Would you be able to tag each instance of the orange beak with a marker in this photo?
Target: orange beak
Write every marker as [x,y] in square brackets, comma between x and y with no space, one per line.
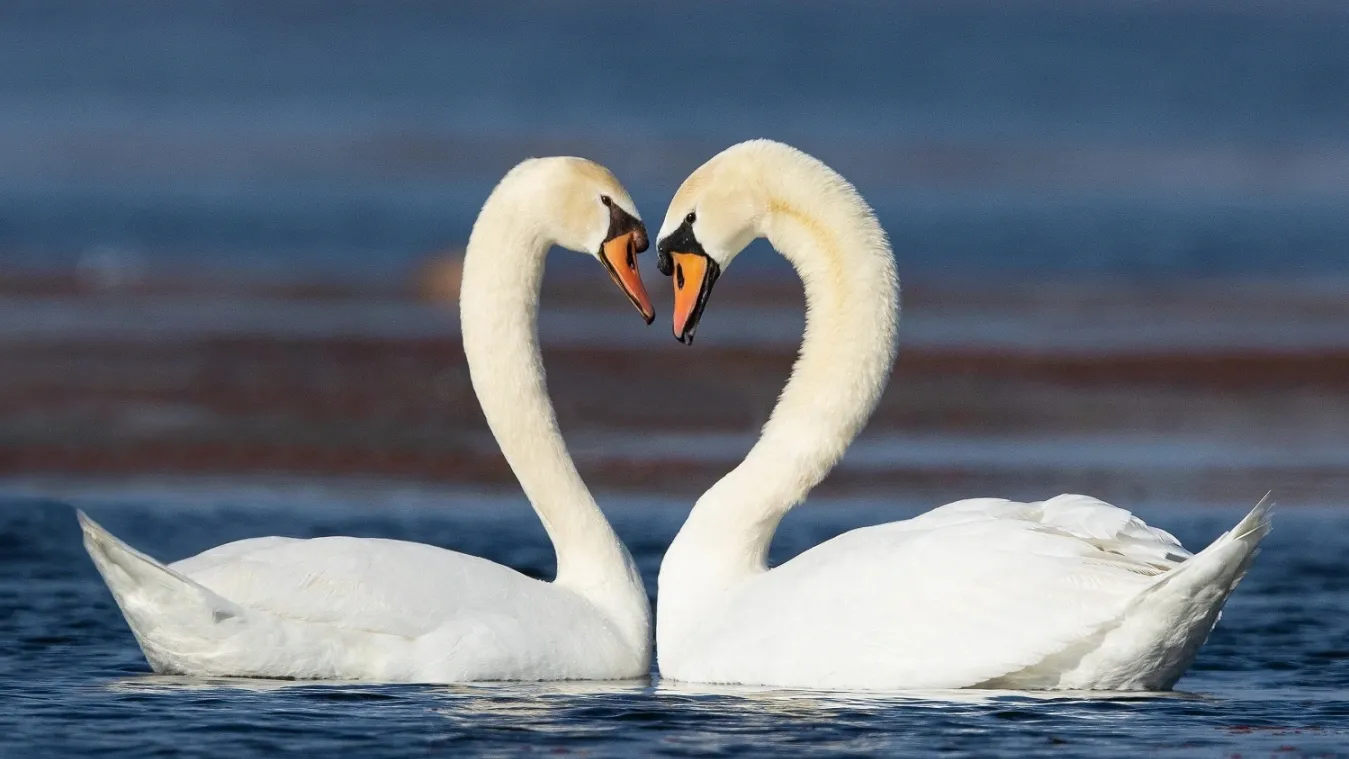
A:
[694,275]
[619,256]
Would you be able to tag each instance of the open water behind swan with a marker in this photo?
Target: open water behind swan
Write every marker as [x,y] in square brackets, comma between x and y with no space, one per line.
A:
[1273,679]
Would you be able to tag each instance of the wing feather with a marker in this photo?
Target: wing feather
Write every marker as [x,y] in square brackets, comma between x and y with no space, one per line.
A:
[385,586]
[956,597]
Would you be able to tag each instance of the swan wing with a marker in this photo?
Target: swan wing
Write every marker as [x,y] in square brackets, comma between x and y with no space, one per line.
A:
[1109,528]
[957,597]
[228,552]
[376,585]
[351,608]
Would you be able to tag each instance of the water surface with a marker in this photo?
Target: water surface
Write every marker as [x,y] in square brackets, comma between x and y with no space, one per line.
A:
[1273,679]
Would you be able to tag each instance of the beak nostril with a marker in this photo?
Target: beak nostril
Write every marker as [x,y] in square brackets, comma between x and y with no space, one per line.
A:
[679,276]
[632,258]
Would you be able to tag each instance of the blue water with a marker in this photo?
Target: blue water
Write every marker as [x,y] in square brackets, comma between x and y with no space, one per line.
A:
[1273,679]
[353,137]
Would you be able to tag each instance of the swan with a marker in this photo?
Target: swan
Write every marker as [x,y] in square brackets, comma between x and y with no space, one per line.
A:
[393,611]
[1067,593]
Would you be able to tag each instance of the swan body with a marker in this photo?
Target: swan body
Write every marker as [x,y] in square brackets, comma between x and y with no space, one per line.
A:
[1067,593]
[395,611]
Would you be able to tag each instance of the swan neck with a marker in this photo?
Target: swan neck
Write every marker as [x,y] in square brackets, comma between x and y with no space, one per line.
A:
[503,273]
[833,240]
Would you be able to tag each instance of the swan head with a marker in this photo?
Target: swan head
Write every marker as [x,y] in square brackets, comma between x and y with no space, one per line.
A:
[716,213]
[589,211]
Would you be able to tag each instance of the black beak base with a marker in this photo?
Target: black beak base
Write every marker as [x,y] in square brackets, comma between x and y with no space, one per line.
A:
[682,240]
[621,222]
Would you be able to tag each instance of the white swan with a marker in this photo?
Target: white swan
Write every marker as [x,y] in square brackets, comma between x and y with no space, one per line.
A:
[1069,593]
[387,610]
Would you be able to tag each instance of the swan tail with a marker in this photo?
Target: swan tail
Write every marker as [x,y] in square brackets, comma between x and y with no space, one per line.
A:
[174,618]
[1158,636]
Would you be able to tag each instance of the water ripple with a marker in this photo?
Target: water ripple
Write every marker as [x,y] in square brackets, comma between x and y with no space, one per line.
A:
[1274,678]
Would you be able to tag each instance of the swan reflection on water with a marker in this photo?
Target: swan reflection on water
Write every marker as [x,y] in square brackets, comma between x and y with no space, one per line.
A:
[520,697]
[152,683]
[643,716]
[738,699]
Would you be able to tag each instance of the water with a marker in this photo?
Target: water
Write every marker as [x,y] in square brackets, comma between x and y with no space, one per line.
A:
[1273,679]
[1117,137]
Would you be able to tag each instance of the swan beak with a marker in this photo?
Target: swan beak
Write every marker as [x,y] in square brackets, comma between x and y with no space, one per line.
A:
[694,275]
[619,256]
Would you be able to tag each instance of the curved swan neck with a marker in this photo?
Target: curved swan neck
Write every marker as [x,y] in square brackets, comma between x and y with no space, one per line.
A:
[819,223]
[503,272]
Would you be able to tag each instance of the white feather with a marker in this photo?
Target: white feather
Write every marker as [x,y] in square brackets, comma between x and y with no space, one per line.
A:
[985,593]
[387,610]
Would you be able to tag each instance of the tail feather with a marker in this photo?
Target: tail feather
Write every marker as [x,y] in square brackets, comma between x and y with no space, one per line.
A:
[1224,562]
[117,560]
[1161,631]
[1256,524]
[166,610]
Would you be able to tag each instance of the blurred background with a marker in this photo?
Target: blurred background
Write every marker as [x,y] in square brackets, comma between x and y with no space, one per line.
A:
[230,235]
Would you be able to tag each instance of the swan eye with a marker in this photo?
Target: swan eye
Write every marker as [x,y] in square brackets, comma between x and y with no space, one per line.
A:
[679,273]
[606,200]
[692,217]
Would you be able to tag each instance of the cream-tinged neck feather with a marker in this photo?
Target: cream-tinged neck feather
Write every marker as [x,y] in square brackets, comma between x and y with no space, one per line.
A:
[819,223]
[503,272]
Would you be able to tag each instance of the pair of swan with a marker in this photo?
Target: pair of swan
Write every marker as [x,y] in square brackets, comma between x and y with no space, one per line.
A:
[1068,593]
